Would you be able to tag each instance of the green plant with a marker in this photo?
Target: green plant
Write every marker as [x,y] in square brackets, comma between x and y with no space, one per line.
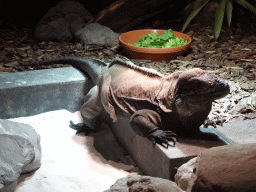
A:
[224,5]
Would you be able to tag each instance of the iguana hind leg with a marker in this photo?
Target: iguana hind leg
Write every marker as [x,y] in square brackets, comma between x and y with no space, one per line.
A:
[148,123]
[91,111]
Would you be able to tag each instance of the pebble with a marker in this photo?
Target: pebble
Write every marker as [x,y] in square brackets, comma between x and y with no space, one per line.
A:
[12,64]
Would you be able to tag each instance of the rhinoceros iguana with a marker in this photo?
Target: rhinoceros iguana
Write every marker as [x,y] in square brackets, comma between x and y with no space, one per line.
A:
[159,105]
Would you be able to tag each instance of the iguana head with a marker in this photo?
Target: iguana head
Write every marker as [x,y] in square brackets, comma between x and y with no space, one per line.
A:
[189,95]
[198,86]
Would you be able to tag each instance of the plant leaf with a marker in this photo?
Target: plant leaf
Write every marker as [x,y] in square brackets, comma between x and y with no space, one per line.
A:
[241,2]
[229,11]
[247,5]
[219,17]
[199,5]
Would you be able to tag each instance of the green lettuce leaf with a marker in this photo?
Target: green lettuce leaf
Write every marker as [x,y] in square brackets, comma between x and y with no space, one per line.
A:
[167,40]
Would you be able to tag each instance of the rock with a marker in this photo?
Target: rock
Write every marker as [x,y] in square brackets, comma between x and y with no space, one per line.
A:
[248,86]
[94,33]
[62,21]
[230,168]
[185,173]
[134,183]
[15,153]
[107,52]
[20,152]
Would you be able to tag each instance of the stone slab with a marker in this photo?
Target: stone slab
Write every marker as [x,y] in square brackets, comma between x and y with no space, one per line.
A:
[241,132]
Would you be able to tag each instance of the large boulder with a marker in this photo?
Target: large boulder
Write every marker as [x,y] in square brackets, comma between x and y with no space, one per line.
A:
[20,152]
[133,183]
[61,22]
[230,168]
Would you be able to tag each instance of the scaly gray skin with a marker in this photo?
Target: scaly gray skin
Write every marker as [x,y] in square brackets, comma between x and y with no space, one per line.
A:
[159,105]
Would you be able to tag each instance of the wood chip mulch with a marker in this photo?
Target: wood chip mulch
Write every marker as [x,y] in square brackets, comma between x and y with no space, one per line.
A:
[232,56]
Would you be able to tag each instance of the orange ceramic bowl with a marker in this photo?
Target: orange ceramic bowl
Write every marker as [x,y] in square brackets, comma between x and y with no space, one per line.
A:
[154,54]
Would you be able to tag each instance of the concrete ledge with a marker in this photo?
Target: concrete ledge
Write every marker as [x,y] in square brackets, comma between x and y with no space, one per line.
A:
[241,132]
[33,92]
[159,161]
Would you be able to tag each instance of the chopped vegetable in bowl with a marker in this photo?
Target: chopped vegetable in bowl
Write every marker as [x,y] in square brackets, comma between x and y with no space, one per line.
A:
[167,40]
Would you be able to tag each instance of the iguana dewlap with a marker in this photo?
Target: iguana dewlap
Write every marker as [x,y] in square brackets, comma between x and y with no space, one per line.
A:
[159,105]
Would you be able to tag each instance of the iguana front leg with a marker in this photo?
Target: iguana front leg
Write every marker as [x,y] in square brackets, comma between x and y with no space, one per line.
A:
[148,123]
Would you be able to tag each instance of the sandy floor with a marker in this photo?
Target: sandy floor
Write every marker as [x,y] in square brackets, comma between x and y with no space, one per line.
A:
[70,162]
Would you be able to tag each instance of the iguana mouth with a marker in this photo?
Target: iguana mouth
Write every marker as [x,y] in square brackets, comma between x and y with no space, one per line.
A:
[217,94]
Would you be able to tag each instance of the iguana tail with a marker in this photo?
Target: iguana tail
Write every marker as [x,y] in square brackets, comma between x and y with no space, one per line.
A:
[92,67]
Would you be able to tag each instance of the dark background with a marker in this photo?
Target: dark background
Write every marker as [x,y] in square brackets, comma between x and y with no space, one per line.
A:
[28,13]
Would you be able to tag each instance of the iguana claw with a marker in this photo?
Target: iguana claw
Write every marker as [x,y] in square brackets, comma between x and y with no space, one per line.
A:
[162,137]
[213,123]
[80,128]
[77,127]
